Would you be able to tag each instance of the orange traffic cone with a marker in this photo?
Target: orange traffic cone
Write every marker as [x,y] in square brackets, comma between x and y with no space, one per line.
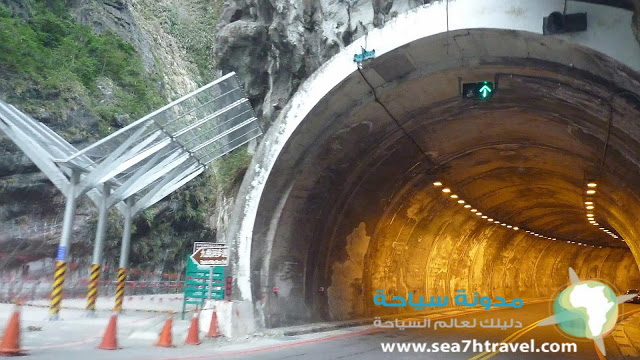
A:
[192,336]
[110,340]
[213,328]
[165,335]
[10,344]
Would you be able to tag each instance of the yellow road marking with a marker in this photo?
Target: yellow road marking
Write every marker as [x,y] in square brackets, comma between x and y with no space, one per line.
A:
[521,332]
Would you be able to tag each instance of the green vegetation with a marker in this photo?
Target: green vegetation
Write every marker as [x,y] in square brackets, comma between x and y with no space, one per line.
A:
[191,24]
[55,62]
[232,167]
[86,85]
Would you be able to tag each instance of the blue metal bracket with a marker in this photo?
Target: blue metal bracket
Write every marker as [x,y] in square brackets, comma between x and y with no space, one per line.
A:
[365,55]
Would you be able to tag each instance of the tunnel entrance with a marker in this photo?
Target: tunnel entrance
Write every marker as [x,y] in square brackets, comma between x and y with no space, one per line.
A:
[394,181]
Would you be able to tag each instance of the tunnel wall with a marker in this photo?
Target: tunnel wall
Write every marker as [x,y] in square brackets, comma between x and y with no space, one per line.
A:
[431,246]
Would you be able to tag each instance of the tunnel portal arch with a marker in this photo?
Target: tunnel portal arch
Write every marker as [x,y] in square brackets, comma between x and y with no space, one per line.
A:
[333,122]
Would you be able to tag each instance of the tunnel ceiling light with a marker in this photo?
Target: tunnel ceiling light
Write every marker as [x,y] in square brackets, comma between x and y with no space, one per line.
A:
[591,192]
[592,184]
[601,228]
[478,213]
[588,202]
[590,215]
[589,207]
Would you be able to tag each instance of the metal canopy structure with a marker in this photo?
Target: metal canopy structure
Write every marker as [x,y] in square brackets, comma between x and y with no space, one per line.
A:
[164,150]
[136,166]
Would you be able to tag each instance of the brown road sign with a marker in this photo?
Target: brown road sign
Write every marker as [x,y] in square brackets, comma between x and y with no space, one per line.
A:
[212,256]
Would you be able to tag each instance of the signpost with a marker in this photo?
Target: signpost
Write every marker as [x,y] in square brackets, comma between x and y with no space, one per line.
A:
[204,275]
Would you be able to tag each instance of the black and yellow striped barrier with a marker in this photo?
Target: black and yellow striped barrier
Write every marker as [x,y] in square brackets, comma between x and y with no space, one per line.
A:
[122,276]
[56,292]
[92,293]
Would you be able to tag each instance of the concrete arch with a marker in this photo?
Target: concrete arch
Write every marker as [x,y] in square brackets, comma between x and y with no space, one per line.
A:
[483,39]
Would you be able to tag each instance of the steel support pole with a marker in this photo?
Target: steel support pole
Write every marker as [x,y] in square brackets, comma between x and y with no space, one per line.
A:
[124,255]
[210,282]
[98,248]
[63,248]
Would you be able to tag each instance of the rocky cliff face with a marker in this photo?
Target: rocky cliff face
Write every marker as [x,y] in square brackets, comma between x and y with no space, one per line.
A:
[275,44]
[31,209]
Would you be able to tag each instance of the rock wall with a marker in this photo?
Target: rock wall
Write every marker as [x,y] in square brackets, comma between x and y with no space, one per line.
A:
[275,44]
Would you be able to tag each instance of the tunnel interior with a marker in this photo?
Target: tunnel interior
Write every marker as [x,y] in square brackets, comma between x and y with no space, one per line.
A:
[395,182]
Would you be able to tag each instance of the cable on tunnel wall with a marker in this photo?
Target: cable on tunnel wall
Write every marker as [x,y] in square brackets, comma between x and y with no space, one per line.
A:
[610,124]
[428,160]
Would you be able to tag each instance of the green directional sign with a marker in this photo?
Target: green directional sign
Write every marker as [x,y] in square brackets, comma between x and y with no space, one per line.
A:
[479,90]
[196,283]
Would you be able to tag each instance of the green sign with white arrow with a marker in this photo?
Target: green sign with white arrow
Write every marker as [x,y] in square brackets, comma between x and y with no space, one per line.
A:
[480,90]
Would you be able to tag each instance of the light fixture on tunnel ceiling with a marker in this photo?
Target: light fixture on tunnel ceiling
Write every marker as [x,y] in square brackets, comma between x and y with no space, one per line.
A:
[590,205]
[448,190]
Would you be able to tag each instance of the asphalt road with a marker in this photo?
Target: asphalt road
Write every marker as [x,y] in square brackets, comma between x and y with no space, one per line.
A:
[367,344]
[362,342]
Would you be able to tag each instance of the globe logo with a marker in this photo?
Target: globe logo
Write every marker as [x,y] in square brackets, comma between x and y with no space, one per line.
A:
[586,309]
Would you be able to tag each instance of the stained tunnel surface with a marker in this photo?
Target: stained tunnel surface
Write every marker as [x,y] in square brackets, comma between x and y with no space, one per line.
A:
[355,209]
